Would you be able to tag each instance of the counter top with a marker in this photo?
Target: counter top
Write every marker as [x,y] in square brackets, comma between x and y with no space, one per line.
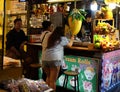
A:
[73,47]
[82,48]
[37,44]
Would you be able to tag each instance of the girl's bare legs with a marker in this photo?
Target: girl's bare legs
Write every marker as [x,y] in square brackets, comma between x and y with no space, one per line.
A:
[47,71]
[52,74]
[54,71]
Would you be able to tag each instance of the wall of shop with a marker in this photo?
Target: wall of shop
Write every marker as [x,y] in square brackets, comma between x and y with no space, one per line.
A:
[1,28]
[1,21]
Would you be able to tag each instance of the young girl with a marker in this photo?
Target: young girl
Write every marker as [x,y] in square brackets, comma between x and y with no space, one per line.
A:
[53,53]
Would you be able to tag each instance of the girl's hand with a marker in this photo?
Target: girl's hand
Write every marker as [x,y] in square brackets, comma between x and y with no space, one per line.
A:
[72,37]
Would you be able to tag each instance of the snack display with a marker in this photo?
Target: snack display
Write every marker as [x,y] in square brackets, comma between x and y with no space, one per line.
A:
[105,36]
[104,13]
[25,85]
[10,62]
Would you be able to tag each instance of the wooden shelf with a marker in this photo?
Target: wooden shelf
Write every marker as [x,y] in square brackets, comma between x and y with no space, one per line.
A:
[110,21]
[22,26]
[16,14]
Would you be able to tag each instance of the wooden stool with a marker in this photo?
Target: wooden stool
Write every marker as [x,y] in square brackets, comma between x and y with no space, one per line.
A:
[34,67]
[75,75]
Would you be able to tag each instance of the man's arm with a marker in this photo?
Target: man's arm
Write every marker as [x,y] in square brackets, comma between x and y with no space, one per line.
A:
[15,50]
[22,45]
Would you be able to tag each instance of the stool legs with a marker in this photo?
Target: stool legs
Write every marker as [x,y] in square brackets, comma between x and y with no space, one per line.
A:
[78,83]
[65,81]
[75,82]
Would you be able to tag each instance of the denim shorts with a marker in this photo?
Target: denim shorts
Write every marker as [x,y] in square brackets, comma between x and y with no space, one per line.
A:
[51,63]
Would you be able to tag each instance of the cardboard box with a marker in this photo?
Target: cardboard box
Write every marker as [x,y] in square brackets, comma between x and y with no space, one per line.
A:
[11,73]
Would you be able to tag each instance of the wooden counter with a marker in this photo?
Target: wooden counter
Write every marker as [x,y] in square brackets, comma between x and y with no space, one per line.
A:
[85,58]
[73,47]
[38,45]
[34,49]
[82,51]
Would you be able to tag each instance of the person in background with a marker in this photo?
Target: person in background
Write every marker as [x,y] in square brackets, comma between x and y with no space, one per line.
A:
[86,28]
[87,24]
[47,30]
[53,53]
[15,41]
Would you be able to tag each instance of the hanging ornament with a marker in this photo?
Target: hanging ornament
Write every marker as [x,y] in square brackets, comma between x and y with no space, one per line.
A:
[75,19]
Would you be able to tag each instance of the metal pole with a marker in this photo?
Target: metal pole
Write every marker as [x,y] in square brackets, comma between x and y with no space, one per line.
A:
[74,4]
[116,18]
[4,13]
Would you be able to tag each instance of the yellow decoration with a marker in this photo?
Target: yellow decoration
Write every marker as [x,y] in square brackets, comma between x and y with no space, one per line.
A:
[111,1]
[75,19]
[107,12]
[1,31]
[108,15]
[75,25]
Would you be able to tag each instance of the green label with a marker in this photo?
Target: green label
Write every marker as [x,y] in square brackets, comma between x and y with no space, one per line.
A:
[88,73]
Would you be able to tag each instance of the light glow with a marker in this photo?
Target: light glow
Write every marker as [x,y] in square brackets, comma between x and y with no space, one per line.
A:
[112,6]
[94,6]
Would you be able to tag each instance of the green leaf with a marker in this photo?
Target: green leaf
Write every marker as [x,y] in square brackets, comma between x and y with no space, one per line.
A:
[78,14]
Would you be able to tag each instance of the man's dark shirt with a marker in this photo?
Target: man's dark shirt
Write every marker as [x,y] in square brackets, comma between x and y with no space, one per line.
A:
[15,38]
[87,28]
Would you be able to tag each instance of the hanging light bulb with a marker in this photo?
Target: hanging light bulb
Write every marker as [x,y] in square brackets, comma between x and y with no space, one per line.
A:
[112,5]
[94,5]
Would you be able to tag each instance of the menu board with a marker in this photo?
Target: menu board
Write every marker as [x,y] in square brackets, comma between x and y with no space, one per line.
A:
[88,73]
[110,70]
[17,7]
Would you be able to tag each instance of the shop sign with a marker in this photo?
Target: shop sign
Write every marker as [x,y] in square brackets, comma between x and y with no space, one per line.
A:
[110,70]
[88,73]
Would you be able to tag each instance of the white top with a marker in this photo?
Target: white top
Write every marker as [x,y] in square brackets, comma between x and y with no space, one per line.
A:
[54,53]
[44,37]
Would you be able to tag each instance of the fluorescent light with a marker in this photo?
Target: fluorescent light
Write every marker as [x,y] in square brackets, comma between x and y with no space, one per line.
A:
[93,6]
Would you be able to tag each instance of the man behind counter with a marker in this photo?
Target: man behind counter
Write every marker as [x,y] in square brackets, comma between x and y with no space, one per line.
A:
[15,45]
[86,28]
